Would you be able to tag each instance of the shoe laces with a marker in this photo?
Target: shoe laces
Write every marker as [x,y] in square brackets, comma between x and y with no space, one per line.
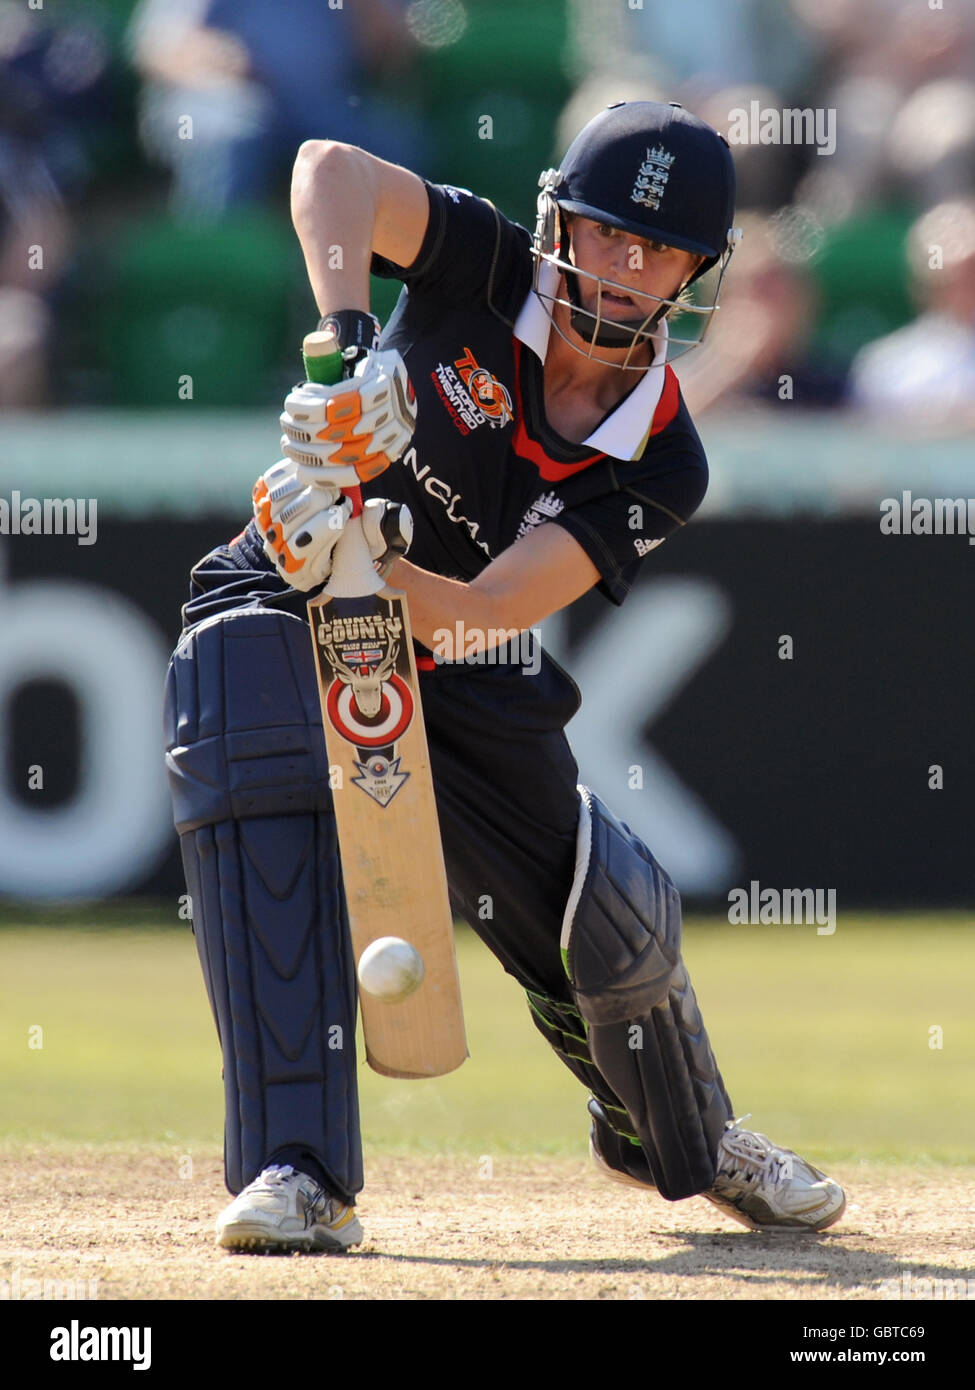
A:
[277,1175]
[755,1158]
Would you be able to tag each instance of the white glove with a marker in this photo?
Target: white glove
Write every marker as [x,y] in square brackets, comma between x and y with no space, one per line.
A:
[301,525]
[356,428]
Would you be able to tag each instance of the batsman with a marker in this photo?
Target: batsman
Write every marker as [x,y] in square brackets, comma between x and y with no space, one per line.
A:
[518,426]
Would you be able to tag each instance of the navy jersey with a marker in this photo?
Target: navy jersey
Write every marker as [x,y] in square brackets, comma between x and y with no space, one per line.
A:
[484,466]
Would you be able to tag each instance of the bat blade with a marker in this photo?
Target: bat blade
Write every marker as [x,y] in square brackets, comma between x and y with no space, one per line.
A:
[389,835]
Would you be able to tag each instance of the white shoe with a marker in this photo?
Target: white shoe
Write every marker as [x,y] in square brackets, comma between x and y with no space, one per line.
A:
[283,1210]
[768,1188]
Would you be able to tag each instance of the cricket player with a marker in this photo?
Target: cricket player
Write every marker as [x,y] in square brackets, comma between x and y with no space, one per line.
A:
[520,407]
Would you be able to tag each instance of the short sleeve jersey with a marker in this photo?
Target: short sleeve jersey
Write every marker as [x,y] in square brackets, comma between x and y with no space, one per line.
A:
[484,467]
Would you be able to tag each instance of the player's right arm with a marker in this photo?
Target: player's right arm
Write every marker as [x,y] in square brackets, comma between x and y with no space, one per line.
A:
[345,205]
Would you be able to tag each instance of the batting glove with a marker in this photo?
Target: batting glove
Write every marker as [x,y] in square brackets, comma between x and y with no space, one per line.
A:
[388,529]
[301,524]
[351,431]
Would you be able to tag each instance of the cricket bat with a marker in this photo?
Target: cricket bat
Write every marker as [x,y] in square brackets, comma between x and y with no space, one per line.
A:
[389,836]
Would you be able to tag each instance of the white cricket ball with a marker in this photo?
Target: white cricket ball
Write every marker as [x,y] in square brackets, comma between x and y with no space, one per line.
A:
[390,968]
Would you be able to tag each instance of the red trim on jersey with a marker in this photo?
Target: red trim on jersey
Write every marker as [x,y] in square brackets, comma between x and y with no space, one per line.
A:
[425,663]
[669,402]
[553,471]
[527,448]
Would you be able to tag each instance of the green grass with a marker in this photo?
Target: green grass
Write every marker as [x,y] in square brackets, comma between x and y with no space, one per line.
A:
[825,1040]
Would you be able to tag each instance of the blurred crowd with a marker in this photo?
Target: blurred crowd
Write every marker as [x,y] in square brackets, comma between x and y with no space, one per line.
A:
[145,150]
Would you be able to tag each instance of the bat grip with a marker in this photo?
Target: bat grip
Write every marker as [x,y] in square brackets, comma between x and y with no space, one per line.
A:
[322,357]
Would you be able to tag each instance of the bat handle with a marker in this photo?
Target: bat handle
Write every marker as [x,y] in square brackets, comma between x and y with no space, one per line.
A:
[322,357]
[353,574]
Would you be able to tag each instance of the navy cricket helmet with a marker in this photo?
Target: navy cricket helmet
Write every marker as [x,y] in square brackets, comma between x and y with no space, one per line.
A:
[656,171]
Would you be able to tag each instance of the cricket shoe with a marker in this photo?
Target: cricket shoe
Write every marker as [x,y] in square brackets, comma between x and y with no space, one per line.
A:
[768,1188]
[282,1211]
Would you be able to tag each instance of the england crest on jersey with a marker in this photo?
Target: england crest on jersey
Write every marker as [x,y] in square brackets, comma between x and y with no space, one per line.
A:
[544,508]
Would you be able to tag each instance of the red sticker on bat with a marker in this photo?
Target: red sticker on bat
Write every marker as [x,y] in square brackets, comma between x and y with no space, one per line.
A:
[390,722]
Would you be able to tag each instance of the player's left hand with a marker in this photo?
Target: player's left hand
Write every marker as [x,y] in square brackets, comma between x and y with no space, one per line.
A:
[356,428]
[301,525]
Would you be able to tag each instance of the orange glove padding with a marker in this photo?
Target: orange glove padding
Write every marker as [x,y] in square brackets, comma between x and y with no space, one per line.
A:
[354,429]
[301,525]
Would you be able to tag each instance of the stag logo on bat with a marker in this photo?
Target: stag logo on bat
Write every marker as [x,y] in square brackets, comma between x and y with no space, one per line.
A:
[368,702]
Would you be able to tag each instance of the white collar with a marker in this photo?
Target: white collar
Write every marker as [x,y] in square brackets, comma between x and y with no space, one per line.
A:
[623,434]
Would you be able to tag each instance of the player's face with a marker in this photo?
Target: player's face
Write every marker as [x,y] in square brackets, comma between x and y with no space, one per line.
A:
[645,268]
